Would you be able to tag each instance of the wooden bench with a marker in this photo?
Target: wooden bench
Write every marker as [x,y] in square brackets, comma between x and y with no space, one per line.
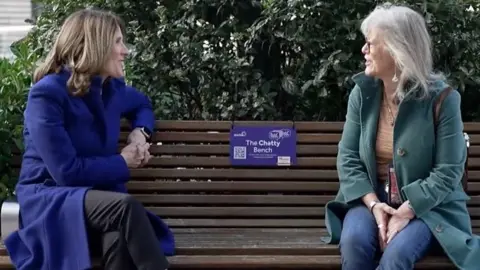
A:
[255,218]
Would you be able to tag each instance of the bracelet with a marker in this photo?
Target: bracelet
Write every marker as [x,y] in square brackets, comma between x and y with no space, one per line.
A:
[409,205]
[372,204]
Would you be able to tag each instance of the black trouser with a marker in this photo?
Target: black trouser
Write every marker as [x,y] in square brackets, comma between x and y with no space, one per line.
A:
[119,230]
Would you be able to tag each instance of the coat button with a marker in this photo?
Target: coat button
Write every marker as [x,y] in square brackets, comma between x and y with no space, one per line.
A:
[439,228]
[401,152]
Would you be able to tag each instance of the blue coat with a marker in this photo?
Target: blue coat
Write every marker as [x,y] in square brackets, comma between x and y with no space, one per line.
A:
[71,145]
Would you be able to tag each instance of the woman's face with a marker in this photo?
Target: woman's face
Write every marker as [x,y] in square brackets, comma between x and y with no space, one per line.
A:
[115,64]
[378,61]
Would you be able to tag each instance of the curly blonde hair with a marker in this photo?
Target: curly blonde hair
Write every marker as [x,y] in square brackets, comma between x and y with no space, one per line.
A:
[83,45]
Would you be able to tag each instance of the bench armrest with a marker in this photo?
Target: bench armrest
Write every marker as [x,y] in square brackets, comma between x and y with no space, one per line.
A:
[9,218]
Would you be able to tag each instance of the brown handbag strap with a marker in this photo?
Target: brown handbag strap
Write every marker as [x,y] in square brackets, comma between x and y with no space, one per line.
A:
[438,104]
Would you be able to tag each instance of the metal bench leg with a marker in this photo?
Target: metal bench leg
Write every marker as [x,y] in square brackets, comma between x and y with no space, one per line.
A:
[9,218]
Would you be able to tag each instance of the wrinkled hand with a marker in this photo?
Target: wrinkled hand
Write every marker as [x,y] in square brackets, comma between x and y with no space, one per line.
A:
[405,211]
[136,155]
[144,151]
[136,137]
[399,220]
[382,212]
[395,225]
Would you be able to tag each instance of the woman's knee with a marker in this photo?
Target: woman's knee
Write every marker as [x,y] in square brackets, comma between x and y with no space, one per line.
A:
[130,201]
[409,246]
[358,242]
[359,229]
[396,257]
[106,199]
[131,208]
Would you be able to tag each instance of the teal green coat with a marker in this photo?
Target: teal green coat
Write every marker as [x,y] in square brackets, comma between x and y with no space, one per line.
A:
[429,170]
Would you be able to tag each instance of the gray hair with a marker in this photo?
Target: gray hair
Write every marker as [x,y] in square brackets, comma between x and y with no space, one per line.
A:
[406,37]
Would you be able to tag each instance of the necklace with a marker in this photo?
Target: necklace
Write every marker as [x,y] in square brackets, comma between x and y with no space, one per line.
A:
[392,118]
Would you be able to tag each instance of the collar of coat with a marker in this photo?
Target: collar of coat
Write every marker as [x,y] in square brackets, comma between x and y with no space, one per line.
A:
[371,87]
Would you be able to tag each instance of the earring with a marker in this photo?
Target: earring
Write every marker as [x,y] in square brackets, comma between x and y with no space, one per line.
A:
[395,78]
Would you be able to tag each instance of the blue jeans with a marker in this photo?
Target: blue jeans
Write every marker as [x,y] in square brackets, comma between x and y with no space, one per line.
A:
[359,242]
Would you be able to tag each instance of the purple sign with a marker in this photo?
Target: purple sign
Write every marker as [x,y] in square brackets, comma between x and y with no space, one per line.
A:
[263,146]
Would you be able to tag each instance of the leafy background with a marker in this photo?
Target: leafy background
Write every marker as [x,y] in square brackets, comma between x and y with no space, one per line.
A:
[242,59]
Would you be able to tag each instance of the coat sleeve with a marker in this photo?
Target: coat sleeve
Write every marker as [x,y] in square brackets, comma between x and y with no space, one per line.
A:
[353,177]
[44,121]
[450,157]
[137,108]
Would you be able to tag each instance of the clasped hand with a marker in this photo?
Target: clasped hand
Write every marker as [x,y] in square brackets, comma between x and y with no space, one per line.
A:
[136,153]
[390,221]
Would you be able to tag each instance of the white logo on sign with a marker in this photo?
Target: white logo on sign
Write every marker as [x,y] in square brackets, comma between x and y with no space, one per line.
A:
[241,134]
[279,134]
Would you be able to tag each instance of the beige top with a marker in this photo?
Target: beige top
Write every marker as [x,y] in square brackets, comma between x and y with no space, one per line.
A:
[384,144]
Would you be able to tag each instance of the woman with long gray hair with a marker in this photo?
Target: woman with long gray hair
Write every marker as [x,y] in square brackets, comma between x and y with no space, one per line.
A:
[400,173]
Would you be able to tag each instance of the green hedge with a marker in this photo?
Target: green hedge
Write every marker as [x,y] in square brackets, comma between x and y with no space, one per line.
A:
[284,59]
[277,60]
[14,84]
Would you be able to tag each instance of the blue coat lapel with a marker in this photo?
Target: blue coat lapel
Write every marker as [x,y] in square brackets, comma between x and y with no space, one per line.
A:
[96,105]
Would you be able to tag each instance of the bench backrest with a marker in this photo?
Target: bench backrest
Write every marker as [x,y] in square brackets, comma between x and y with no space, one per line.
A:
[191,184]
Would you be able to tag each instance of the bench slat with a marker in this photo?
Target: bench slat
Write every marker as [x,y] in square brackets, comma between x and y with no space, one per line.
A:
[230,186]
[219,162]
[222,212]
[280,173]
[226,125]
[214,241]
[305,126]
[252,242]
[256,223]
[222,162]
[204,137]
[302,138]
[224,150]
[237,174]
[244,199]
[281,262]
[260,211]
[245,223]
[189,199]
